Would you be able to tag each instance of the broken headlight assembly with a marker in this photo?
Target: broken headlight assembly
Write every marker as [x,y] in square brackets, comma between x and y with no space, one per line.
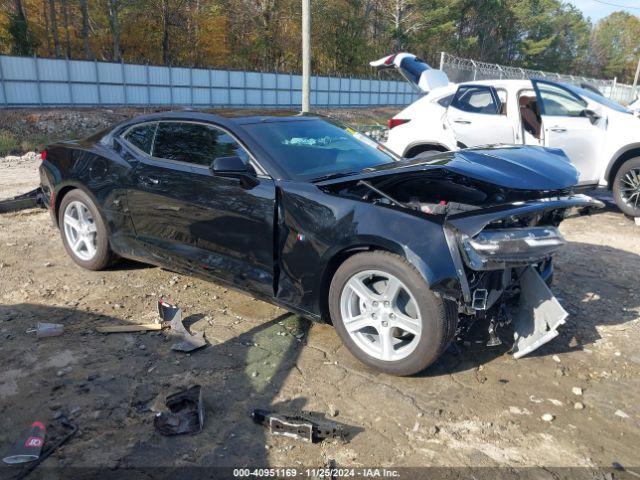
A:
[497,249]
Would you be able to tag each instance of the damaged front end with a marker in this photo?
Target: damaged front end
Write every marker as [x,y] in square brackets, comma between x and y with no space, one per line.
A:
[500,222]
[506,267]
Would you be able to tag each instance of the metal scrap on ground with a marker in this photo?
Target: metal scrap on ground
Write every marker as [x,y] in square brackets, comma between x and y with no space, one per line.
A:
[186,342]
[307,426]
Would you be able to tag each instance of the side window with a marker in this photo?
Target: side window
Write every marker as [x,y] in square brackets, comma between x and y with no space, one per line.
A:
[557,101]
[142,136]
[194,143]
[446,101]
[475,99]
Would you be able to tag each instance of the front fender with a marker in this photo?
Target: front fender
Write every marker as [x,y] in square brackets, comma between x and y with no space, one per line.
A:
[316,227]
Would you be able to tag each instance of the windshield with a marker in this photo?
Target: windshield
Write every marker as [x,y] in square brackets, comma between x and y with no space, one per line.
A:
[311,149]
[583,92]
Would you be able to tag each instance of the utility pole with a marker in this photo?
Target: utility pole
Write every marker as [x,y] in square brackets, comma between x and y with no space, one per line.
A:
[635,82]
[306,55]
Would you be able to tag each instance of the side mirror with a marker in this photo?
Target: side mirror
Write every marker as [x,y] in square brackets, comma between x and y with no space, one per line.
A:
[591,115]
[229,167]
[235,167]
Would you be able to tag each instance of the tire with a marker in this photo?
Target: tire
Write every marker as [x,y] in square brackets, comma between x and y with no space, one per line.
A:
[628,177]
[426,153]
[98,257]
[435,318]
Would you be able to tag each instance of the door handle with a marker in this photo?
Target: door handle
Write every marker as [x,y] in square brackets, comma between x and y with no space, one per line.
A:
[460,120]
[148,180]
[558,129]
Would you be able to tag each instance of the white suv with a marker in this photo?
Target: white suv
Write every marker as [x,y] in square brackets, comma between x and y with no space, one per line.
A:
[599,136]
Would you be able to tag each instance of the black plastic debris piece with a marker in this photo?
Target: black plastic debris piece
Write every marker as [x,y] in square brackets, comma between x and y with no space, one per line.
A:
[306,426]
[185,415]
[30,199]
[185,342]
[28,448]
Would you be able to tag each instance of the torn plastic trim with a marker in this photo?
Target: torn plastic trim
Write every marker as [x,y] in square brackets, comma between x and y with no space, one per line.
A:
[452,244]
[539,314]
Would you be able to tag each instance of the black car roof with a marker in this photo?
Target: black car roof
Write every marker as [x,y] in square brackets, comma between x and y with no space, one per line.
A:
[224,118]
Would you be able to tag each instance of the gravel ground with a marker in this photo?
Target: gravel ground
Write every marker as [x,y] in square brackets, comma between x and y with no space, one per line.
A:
[476,407]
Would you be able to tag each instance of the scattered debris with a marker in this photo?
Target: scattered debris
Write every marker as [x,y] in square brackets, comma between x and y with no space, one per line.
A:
[185,415]
[28,448]
[557,403]
[43,330]
[30,199]
[578,406]
[129,328]
[576,391]
[185,341]
[307,426]
[556,358]
[547,417]
[621,414]
[71,430]
[620,468]
[535,399]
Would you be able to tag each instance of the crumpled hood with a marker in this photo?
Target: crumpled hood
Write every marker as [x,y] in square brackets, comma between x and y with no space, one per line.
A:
[510,167]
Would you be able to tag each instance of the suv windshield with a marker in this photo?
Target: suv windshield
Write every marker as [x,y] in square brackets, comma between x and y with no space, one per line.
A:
[311,149]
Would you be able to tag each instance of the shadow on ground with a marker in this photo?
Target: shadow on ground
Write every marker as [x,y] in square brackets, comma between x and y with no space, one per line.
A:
[245,372]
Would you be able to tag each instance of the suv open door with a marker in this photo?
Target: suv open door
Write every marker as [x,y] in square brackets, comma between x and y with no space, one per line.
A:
[477,116]
[568,124]
[416,71]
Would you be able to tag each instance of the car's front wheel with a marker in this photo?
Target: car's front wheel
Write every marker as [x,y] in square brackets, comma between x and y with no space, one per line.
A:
[83,231]
[387,316]
[626,187]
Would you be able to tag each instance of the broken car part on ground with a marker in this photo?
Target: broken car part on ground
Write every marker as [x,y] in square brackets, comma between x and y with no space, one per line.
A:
[307,426]
[185,415]
[317,218]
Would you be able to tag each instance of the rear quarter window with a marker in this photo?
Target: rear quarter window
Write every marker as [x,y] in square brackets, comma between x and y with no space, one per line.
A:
[142,136]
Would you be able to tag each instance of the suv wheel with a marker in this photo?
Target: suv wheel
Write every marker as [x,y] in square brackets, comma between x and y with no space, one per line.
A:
[83,232]
[386,315]
[626,187]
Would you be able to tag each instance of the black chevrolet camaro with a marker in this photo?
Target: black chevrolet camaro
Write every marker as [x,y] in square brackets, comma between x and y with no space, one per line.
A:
[301,211]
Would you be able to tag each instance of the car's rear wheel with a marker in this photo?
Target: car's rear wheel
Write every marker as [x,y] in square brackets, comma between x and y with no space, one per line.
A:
[626,187]
[386,315]
[83,232]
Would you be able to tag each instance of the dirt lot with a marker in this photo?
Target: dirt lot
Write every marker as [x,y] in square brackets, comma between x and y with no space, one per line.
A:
[476,408]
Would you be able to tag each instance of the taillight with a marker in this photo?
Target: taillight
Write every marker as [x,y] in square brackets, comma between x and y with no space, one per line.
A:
[389,59]
[394,122]
[43,155]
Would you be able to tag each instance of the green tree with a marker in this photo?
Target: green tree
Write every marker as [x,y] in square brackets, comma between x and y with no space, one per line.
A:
[616,45]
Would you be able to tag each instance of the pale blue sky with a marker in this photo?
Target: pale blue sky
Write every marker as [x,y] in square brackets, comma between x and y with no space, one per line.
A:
[598,10]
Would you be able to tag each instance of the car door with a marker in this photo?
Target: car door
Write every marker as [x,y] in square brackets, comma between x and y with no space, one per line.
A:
[217,226]
[476,117]
[565,126]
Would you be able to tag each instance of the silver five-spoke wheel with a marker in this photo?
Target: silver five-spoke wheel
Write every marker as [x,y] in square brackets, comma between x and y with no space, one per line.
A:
[80,230]
[381,315]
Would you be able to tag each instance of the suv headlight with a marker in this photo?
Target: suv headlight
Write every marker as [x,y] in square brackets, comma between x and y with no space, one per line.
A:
[496,249]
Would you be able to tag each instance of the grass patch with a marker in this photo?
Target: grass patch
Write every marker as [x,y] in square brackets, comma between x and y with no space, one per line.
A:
[9,144]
